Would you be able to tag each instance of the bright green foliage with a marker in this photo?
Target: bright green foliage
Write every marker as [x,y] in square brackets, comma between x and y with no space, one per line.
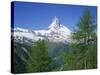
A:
[83,50]
[39,60]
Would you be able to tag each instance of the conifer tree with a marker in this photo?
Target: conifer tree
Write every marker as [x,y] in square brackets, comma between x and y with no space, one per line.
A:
[39,60]
[84,45]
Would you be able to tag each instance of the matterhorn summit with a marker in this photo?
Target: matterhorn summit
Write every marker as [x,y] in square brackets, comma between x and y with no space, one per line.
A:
[56,32]
[57,26]
[55,23]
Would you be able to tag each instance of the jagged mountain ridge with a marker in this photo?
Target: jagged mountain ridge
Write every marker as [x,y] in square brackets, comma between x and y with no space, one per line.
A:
[56,32]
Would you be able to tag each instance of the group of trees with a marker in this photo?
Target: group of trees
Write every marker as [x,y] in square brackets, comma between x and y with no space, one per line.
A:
[83,49]
[81,54]
[40,60]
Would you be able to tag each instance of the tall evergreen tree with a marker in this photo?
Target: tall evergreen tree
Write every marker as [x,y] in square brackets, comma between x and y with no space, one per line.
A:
[84,46]
[39,60]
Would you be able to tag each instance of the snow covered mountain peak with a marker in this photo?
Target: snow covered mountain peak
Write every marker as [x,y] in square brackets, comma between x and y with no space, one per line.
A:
[57,26]
[56,32]
[55,23]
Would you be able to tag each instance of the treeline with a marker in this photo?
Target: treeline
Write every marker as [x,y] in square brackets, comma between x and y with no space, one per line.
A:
[81,54]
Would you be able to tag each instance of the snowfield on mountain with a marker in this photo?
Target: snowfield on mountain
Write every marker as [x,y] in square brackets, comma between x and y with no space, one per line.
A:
[56,32]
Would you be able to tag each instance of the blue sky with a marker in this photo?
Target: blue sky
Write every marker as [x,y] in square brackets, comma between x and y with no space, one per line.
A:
[39,15]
